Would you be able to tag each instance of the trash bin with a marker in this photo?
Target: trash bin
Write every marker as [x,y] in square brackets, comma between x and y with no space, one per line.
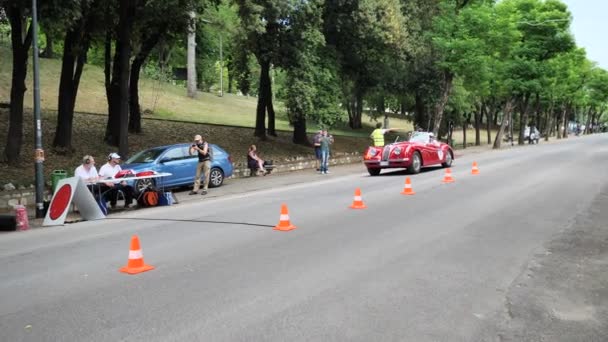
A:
[56,176]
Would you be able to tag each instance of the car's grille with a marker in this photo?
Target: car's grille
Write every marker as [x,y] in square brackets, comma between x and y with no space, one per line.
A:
[386,152]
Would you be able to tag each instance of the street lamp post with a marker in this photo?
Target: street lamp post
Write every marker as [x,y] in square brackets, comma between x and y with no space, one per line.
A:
[39,152]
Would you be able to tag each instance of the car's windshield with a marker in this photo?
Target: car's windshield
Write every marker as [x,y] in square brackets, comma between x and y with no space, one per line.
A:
[421,137]
[146,156]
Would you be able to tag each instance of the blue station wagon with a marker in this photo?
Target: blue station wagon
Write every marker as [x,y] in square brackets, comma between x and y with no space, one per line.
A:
[175,159]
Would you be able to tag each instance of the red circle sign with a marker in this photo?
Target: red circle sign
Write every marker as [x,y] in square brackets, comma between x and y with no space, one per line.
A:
[60,201]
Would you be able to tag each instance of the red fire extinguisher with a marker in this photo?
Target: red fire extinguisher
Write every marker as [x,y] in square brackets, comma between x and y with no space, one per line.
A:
[21,218]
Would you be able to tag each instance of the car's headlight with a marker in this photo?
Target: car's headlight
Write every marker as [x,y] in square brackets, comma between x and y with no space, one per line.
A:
[372,152]
[397,151]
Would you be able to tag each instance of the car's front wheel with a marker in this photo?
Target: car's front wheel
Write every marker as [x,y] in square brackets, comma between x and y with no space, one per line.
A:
[216,177]
[374,172]
[448,159]
[416,164]
[143,184]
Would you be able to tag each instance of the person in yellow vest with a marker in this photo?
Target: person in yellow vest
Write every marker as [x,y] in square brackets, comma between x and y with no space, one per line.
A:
[378,134]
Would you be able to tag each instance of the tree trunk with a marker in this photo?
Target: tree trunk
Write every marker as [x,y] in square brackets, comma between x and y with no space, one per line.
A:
[113,126]
[523,121]
[230,81]
[149,42]
[420,117]
[65,110]
[125,26]
[489,118]
[191,63]
[20,44]
[263,98]
[537,111]
[587,130]
[448,77]
[107,68]
[464,136]
[478,115]
[549,124]
[506,113]
[359,111]
[567,111]
[560,123]
[299,130]
[76,46]
[134,107]
[118,103]
[465,126]
[350,109]
[270,107]
[549,121]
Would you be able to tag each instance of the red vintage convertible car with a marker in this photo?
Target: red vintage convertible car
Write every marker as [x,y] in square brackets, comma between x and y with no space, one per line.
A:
[422,149]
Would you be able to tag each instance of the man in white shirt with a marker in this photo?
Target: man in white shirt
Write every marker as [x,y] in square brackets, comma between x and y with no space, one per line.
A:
[87,171]
[108,171]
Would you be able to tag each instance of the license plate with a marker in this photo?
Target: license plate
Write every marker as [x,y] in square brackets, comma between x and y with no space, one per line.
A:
[384,163]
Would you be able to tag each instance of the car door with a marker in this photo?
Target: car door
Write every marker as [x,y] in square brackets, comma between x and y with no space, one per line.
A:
[429,155]
[174,161]
[436,154]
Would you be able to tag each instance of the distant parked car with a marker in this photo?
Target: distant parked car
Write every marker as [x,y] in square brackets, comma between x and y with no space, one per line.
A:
[175,159]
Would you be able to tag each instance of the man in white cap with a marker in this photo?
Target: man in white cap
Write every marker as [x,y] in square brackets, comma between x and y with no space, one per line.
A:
[109,171]
[201,148]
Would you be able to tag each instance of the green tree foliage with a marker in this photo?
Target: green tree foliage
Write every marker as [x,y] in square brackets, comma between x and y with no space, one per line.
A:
[511,63]
[367,35]
[263,24]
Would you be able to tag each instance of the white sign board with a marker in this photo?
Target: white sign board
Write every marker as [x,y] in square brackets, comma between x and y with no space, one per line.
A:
[68,190]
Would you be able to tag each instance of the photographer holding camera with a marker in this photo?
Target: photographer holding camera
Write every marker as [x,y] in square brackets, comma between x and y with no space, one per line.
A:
[201,148]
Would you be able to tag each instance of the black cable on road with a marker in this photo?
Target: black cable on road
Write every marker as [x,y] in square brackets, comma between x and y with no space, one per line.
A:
[193,221]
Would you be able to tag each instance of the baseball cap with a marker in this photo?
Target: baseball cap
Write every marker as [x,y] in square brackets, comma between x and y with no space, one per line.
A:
[114,156]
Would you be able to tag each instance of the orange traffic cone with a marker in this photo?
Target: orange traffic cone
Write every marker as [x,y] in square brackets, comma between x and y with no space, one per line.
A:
[284,224]
[407,188]
[358,201]
[475,170]
[448,176]
[136,259]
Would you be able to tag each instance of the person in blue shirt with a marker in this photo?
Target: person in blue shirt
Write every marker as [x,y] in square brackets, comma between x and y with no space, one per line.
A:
[325,141]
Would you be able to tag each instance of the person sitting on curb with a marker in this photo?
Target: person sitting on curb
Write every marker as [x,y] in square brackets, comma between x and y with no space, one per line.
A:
[254,161]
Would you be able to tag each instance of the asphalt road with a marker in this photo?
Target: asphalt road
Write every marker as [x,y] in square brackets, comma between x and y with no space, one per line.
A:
[517,253]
